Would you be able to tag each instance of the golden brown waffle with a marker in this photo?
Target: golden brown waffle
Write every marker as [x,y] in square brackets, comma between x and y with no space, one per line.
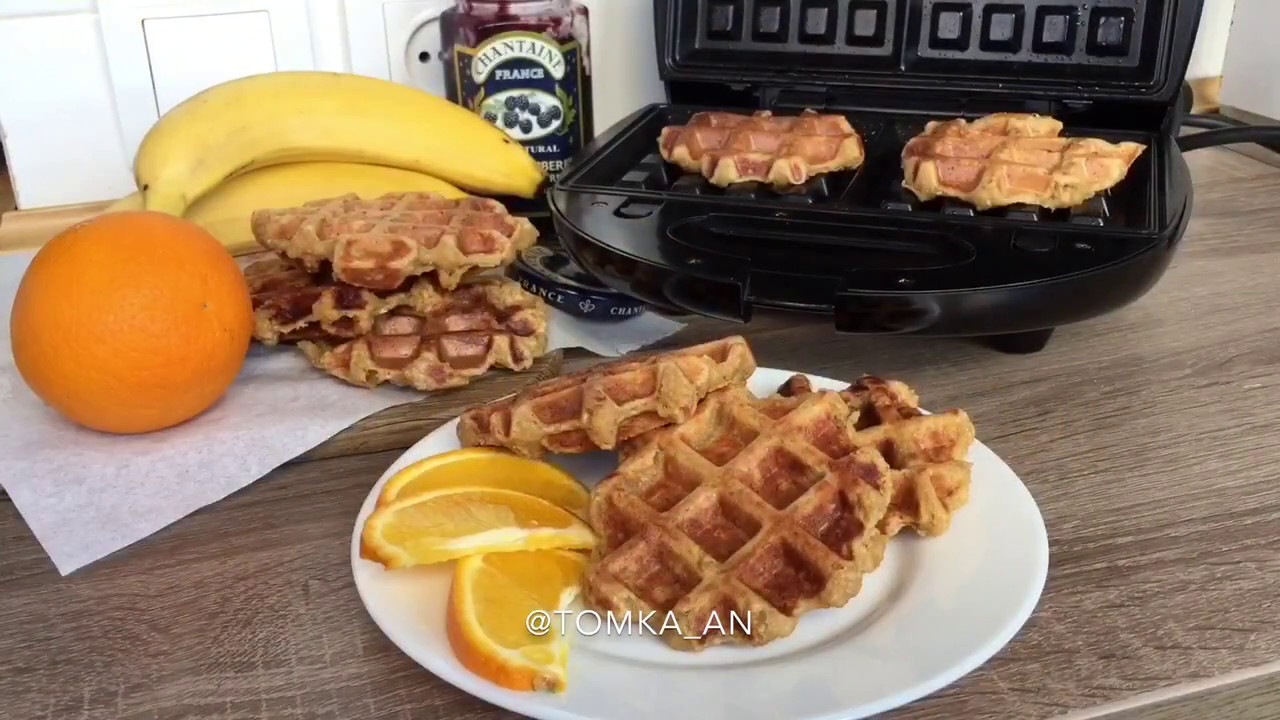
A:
[928,452]
[442,340]
[761,510]
[1009,158]
[765,508]
[600,407]
[381,243]
[728,148]
[291,304]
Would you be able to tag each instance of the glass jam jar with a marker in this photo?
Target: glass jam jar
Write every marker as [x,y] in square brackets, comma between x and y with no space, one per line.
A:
[524,65]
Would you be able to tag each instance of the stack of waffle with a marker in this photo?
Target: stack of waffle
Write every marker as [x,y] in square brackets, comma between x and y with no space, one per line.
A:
[725,504]
[396,289]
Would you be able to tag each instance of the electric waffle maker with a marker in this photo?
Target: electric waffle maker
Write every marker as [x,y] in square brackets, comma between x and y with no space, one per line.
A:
[855,245]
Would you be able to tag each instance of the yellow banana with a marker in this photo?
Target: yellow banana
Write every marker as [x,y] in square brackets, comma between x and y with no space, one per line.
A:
[283,117]
[132,201]
[225,210]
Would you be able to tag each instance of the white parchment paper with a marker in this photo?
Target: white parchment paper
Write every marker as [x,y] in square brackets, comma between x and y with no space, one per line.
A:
[86,495]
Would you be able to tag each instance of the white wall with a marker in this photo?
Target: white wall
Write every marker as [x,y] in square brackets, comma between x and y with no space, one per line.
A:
[1211,39]
[1251,73]
[9,8]
[328,35]
[58,121]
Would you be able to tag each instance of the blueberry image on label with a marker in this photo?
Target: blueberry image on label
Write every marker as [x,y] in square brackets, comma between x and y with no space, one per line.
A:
[525,114]
[530,85]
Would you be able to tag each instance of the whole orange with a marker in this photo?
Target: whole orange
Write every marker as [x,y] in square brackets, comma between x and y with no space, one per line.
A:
[131,322]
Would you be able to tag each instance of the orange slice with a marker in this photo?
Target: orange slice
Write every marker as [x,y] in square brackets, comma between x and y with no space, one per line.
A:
[487,468]
[441,525]
[489,605]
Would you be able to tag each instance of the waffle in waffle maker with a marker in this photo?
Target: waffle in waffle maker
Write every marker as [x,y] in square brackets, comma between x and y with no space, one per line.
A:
[855,243]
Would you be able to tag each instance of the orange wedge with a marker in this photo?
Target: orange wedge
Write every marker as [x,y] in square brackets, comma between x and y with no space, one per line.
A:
[487,619]
[450,523]
[488,468]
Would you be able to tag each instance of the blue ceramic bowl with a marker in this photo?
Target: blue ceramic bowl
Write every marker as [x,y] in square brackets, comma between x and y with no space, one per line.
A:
[551,275]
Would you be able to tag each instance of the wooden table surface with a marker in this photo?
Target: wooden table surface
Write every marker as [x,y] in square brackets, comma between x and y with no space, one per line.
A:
[1146,436]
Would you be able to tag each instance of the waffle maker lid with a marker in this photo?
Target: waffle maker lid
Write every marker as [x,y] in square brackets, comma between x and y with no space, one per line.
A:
[880,263]
[1081,50]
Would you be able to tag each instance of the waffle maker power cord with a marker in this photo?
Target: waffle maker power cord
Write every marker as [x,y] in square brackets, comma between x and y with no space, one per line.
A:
[1222,130]
[1267,136]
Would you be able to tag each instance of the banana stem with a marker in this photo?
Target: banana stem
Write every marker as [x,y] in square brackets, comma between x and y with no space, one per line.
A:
[168,203]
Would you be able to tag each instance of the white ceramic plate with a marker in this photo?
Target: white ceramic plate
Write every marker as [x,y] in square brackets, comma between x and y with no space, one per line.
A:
[931,613]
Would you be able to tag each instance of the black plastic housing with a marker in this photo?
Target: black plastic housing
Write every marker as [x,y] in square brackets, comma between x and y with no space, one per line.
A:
[854,244]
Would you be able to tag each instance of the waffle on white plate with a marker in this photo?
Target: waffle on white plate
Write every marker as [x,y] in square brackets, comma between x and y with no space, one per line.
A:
[769,508]
[1011,158]
[728,148]
[382,242]
[927,451]
[603,406]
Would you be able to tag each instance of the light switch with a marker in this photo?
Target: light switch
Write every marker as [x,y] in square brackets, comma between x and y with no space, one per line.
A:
[190,54]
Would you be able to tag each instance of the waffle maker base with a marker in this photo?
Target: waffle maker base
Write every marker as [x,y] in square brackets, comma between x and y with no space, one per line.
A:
[855,245]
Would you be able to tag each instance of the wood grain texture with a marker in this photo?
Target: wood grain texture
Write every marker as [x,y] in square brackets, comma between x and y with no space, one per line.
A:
[1206,94]
[26,230]
[1245,695]
[1146,436]
[7,201]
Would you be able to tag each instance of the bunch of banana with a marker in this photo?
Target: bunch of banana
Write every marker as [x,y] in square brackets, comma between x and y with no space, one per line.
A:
[225,210]
[284,138]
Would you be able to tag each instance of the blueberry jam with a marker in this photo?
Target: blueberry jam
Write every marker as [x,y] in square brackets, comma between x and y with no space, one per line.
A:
[523,65]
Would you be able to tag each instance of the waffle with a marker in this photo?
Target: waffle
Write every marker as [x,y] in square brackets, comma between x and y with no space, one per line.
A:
[381,243]
[765,508]
[441,340]
[728,148]
[291,304]
[927,451]
[600,407]
[1008,159]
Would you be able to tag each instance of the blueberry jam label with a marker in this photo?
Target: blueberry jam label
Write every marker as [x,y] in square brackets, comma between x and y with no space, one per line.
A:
[531,87]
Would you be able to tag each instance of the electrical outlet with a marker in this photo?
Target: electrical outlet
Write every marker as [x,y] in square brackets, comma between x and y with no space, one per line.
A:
[413,43]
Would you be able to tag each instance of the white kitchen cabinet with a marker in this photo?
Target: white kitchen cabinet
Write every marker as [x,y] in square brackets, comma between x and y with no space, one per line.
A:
[79,90]
[241,41]
[57,113]
[160,52]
